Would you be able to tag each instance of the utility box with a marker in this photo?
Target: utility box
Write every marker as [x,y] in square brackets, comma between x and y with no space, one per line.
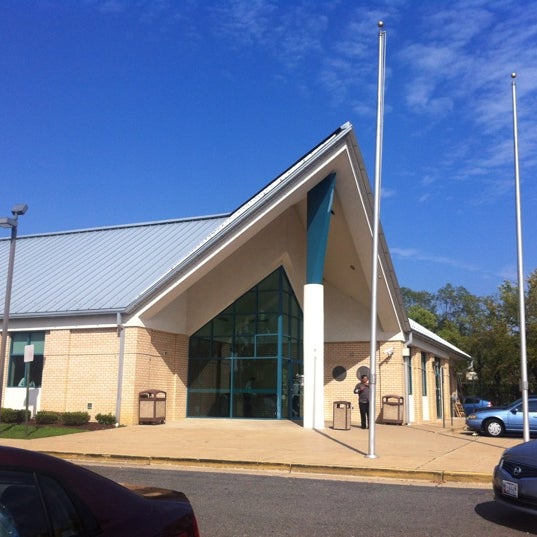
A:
[342,415]
[393,409]
[152,407]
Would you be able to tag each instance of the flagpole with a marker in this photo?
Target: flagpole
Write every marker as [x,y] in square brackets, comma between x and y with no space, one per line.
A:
[524,387]
[374,261]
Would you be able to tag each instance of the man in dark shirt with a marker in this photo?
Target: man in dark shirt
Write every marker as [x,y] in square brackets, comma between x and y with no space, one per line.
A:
[362,389]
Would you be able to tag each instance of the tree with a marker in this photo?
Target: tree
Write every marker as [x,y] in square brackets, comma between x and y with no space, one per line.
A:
[487,328]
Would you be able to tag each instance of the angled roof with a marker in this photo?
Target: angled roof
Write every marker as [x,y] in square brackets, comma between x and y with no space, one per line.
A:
[97,270]
[420,332]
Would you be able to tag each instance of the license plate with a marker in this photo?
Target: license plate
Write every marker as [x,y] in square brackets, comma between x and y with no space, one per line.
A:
[510,489]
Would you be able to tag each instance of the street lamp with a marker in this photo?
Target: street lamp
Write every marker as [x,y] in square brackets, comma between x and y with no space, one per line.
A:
[9,222]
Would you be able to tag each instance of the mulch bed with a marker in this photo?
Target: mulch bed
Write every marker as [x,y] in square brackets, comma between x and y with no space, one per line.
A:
[90,426]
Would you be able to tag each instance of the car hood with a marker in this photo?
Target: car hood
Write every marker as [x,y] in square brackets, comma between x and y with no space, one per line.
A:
[527,452]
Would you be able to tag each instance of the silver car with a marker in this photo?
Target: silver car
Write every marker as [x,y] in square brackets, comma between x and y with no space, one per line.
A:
[515,478]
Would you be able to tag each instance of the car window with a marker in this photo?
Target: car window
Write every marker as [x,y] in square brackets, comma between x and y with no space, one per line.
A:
[21,509]
[63,515]
[532,406]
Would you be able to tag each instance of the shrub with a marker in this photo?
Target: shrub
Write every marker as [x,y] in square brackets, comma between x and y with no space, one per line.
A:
[13,415]
[106,419]
[75,418]
[47,417]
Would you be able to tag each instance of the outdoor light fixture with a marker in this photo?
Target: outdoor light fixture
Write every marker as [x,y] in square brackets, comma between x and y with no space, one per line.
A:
[9,222]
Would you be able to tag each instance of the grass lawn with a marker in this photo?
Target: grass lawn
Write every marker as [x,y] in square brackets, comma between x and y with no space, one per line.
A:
[30,431]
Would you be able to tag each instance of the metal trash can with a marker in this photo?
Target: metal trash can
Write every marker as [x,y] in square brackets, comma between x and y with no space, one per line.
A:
[393,409]
[342,415]
[152,407]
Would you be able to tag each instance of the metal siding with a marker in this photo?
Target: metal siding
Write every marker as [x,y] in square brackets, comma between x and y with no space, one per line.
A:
[97,270]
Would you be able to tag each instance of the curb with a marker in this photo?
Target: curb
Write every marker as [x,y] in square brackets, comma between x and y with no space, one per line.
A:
[433,476]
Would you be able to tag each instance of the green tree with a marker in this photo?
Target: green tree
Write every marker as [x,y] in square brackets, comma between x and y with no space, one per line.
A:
[424,317]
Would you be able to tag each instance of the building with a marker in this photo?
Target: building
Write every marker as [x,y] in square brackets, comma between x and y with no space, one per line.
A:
[260,313]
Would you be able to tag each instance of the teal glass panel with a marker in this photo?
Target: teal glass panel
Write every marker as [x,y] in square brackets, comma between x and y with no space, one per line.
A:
[247,303]
[266,345]
[254,388]
[286,303]
[222,348]
[20,339]
[208,404]
[267,323]
[200,347]
[205,331]
[270,283]
[223,325]
[17,368]
[233,360]
[209,374]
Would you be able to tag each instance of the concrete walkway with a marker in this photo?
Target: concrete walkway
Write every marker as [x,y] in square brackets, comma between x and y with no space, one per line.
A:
[435,452]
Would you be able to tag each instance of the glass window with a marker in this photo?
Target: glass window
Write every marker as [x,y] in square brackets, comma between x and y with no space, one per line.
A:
[17,366]
[21,511]
[63,515]
[209,374]
[268,302]
[270,283]
[254,388]
[243,346]
[199,347]
[247,303]
[423,373]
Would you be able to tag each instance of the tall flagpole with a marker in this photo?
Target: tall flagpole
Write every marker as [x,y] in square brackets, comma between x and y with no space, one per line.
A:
[524,387]
[374,261]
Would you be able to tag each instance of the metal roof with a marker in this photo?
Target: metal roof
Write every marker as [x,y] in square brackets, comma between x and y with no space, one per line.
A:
[425,333]
[113,269]
[97,270]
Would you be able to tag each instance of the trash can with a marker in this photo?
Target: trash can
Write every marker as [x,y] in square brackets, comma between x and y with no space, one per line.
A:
[342,415]
[152,407]
[393,409]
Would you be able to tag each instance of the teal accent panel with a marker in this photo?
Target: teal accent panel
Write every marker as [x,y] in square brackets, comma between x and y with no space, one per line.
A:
[320,200]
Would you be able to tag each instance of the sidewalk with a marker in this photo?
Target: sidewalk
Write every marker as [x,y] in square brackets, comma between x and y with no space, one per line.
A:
[428,452]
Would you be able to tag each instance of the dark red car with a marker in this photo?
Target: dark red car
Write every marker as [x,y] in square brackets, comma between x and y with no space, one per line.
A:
[43,496]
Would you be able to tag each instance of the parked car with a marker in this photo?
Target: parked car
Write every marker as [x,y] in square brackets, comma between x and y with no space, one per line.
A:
[515,477]
[471,403]
[43,495]
[496,421]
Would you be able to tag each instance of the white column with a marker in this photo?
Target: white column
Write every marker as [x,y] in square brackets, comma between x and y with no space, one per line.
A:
[313,356]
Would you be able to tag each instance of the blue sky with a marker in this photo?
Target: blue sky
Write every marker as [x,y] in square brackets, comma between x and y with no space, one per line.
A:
[123,111]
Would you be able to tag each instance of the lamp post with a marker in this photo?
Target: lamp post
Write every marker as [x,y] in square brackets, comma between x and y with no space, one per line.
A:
[9,222]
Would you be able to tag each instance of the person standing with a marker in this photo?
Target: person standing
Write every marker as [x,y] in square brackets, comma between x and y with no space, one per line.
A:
[362,389]
[248,394]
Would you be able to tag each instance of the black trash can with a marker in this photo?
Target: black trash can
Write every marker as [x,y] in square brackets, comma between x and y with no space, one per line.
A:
[152,407]
[393,409]
[342,415]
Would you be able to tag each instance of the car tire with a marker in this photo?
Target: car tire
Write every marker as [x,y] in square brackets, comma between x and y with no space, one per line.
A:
[494,427]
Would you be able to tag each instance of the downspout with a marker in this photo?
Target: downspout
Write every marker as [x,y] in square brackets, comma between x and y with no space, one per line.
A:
[121,336]
[407,350]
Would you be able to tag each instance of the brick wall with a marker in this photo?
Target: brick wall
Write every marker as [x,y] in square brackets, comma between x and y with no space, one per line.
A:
[81,368]
[352,357]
